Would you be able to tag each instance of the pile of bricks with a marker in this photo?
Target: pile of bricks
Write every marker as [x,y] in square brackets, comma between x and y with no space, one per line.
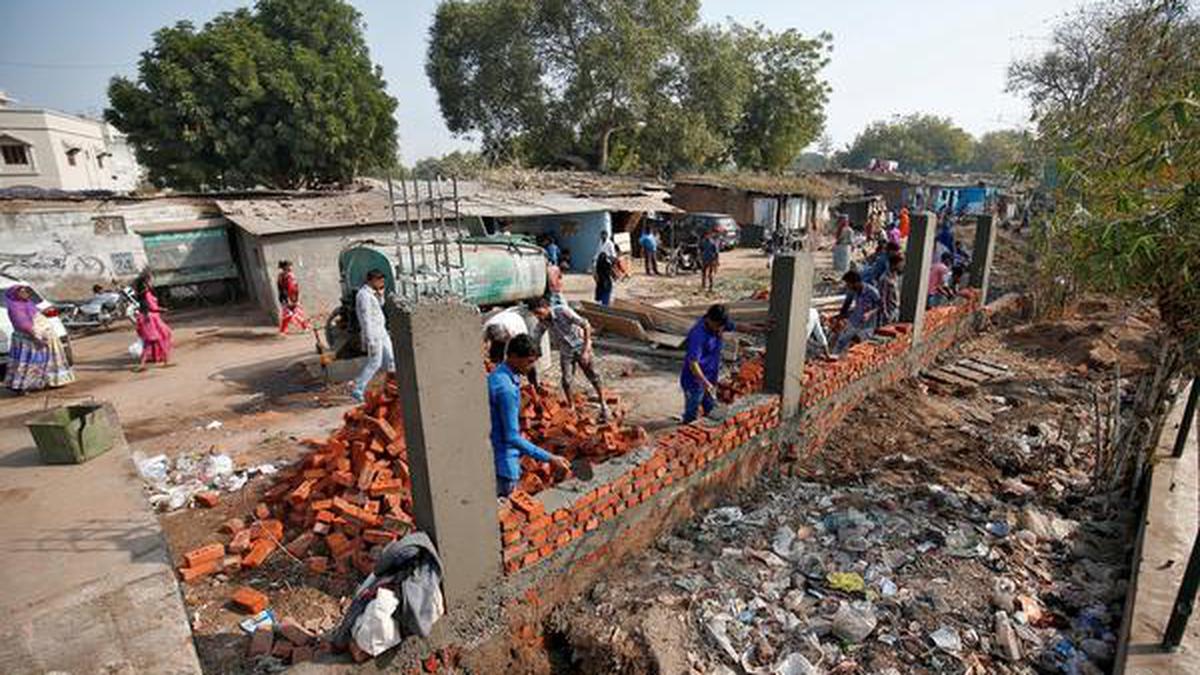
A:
[549,422]
[334,509]
[748,379]
[351,495]
[529,534]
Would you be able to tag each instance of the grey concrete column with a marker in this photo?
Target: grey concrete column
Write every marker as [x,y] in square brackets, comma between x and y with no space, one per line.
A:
[918,256]
[981,255]
[791,295]
[439,370]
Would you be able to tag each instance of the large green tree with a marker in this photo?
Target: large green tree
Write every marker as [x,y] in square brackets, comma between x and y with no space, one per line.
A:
[1116,101]
[1000,152]
[284,95]
[918,142]
[624,84]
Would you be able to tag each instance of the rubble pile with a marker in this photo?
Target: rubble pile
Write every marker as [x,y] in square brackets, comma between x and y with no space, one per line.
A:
[550,421]
[935,579]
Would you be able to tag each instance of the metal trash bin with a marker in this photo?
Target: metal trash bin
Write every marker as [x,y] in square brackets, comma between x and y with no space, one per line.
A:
[72,434]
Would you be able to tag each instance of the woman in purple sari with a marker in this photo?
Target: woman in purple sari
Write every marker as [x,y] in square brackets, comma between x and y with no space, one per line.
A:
[36,359]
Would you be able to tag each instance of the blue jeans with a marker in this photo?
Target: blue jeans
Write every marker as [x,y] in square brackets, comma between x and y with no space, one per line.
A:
[379,354]
[693,399]
[505,486]
[604,295]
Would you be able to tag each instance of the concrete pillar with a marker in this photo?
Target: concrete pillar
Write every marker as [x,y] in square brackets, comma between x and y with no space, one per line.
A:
[918,256]
[791,295]
[439,370]
[981,255]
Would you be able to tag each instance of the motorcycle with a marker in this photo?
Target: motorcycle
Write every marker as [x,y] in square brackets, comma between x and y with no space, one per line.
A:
[99,311]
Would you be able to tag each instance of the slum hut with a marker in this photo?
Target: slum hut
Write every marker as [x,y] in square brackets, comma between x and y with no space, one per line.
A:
[192,258]
[859,207]
[311,230]
[759,203]
[573,207]
[897,189]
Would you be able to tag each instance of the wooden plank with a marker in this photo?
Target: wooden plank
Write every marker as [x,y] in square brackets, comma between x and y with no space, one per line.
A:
[611,323]
[966,373]
[993,369]
[944,377]
[669,340]
[669,303]
[655,318]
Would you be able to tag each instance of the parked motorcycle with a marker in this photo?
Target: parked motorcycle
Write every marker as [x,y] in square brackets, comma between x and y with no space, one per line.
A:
[99,311]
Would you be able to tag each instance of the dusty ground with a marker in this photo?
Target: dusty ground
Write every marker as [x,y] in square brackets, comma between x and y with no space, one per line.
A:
[950,506]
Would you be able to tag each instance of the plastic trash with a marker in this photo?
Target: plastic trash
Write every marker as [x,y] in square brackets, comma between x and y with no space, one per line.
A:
[213,425]
[135,350]
[947,639]
[151,469]
[848,582]
[376,631]
[263,618]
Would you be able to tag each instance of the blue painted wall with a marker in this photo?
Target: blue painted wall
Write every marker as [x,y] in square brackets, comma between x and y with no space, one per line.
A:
[578,233]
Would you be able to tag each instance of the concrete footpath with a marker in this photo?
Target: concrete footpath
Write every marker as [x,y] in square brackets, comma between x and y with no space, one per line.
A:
[1172,517]
[87,585]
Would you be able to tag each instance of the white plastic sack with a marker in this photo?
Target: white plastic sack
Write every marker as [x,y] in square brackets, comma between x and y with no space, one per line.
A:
[375,631]
[135,350]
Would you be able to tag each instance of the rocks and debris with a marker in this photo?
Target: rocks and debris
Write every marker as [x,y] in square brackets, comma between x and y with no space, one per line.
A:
[990,556]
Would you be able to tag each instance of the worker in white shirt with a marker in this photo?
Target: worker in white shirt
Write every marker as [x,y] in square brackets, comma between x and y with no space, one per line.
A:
[502,327]
[368,305]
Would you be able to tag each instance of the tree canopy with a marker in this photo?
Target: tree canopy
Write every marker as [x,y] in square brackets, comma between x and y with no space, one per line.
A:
[1116,100]
[624,84]
[284,95]
[918,142]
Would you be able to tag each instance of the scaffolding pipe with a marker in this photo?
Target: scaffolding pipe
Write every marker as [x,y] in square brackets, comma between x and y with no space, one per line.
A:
[412,260]
[458,227]
[395,225]
[420,224]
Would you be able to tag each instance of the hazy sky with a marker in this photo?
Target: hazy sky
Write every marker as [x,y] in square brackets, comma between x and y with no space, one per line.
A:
[946,57]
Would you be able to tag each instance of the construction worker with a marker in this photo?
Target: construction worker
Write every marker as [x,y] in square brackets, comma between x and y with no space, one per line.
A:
[571,337]
[372,325]
[702,362]
[504,402]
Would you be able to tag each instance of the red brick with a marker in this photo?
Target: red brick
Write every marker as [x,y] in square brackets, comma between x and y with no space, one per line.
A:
[208,499]
[194,572]
[317,564]
[259,552]
[249,600]
[241,542]
[295,634]
[526,504]
[204,554]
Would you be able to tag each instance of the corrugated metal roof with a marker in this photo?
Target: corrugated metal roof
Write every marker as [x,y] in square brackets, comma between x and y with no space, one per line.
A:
[514,204]
[654,202]
[284,215]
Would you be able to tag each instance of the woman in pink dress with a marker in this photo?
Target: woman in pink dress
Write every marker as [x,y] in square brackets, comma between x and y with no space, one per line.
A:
[154,332]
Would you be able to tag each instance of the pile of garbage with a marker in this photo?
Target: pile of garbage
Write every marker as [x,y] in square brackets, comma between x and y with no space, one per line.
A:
[189,478]
[821,579]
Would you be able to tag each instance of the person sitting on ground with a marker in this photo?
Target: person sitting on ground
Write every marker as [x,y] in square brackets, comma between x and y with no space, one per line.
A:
[571,337]
[504,403]
[649,244]
[859,311]
[710,260]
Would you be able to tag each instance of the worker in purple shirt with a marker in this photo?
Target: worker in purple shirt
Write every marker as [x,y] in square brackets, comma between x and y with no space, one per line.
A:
[504,401]
[702,360]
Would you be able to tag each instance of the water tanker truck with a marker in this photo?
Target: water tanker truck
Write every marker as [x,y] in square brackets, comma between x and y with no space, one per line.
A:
[495,270]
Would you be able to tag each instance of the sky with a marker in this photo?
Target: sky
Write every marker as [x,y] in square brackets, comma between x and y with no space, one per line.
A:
[945,57]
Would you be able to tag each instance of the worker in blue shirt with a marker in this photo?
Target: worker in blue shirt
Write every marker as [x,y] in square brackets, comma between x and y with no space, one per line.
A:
[504,400]
[702,362]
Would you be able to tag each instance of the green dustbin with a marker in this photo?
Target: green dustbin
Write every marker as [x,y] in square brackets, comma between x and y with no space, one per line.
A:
[72,434]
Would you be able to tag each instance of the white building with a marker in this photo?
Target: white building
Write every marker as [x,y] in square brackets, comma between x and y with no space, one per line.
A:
[53,150]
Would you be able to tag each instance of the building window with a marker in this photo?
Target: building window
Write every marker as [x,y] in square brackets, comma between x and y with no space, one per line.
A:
[15,154]
[71,156]
[100,160]
[110,225]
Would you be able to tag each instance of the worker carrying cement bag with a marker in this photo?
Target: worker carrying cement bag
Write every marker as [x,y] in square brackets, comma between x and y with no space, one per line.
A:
[406,587]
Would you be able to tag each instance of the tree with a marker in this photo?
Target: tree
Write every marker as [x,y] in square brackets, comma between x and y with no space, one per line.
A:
[456,164]
[785,110]
[282,96]
[1000,152]
[918,142]
[623,83]
[1116,99]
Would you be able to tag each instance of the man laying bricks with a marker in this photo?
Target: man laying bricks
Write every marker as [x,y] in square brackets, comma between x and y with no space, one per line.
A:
[859,311]
[571,337]
[504,401]
[702,360]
